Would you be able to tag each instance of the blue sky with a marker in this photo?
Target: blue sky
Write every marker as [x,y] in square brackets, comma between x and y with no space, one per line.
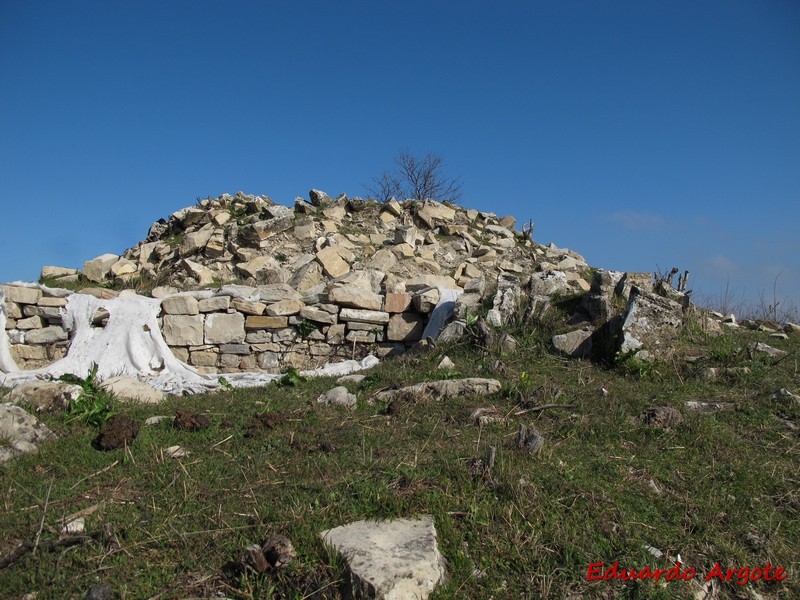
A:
[643,135]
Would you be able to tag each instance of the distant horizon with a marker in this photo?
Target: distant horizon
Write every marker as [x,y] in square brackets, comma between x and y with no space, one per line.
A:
[642,136]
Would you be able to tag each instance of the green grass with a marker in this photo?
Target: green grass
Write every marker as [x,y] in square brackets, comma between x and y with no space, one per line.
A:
[727,482]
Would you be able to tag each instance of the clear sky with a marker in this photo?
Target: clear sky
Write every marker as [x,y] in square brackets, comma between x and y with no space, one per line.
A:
[643,135]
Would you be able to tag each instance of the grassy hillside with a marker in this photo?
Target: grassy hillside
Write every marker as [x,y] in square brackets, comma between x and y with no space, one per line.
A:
[722,486]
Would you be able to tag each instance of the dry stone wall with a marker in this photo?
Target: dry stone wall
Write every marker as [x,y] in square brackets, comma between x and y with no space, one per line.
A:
[234,328]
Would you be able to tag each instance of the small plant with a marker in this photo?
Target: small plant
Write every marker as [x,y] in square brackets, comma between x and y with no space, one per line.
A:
[225,383]
[629,364]
[290,377]
[93,406]
[305,328]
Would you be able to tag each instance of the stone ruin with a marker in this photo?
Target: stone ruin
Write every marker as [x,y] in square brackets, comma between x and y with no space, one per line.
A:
[247,285]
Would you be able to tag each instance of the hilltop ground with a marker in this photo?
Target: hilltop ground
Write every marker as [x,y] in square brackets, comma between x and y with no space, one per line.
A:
[717,483]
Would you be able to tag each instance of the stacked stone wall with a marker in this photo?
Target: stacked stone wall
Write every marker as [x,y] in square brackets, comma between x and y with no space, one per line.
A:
[273,327]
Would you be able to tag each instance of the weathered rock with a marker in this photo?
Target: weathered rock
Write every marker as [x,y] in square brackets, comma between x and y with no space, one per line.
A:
[180,305]
[285,308]
[421,282]
[768,350]
[650,325]
[47,335]
[276,292]
[248,307]
[98,268]
[21,294]
[448,388]
[223,328]
[575,344]
[128,389]
[364,316]
[332,262]
[397,302]
[264,269]
[405,327]
[45,396]
[426,300]
[338,396]
[528,438]
[392,560]
[214,304]
[183,330]
[319,198]
[20,431]
[661,417]
[50,272]
[265,322]
[355,297]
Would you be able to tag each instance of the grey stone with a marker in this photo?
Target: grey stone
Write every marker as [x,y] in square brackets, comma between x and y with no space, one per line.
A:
[21,294]
[650,325]
[21,432]
[338,396]
[183,330]
[405,327]
[47,335]
[392,560]
[574,344]
[448,388]
[223,328]
[364,316]
[45,396]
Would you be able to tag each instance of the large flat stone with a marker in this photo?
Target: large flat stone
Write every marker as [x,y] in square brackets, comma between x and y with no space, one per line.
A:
[355,297]
[364,316]
[391,560]
[98,268]
[223,328]
[21,294]
[20,431]
[405,327]
[183,330]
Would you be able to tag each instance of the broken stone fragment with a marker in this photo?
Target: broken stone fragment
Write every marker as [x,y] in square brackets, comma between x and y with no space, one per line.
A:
[98,268]
[391,560]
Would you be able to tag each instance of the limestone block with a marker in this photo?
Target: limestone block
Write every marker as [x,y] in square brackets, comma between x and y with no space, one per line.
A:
[202,274]
[365,316]
[405,327]
[34,322]
[269,361]
[21,294]
[574,344]
[336,334]
[361,337]
[214,304]
[52,302]
[264,269]
[22,352]
[240,349]
[355,297]
[180,305]
[47,335]
[285,308]
[50,313]
[433,213]
[13,310]
[50,272]
[331,261]
[183,330]
[397,302]
[276,292]
[182,354]
[205,358]
[98,268]
[393,559]
[265,322]
[312,313]
[425,301]
[230,361]
[248,307]
[123,267]
[382,260]
[224,328]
